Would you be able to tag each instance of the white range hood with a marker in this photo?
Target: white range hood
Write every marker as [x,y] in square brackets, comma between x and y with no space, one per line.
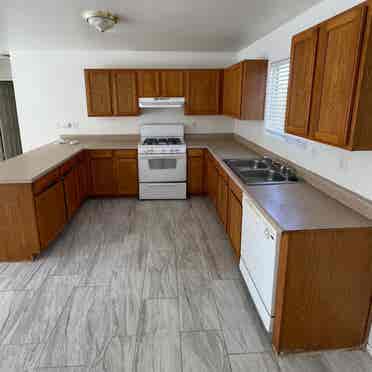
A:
[169,102]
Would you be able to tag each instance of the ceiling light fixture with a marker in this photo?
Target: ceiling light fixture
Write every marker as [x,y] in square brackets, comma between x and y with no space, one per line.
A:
[100,20]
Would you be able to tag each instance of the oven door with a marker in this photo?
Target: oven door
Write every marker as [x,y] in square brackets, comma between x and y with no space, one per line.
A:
[162,167]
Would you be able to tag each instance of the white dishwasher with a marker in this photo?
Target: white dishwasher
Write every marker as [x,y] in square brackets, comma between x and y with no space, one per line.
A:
[259,260]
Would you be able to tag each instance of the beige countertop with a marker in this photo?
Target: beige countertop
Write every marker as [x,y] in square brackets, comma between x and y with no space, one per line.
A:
[289,207]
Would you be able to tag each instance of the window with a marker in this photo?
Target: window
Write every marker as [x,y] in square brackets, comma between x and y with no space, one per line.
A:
[276,101]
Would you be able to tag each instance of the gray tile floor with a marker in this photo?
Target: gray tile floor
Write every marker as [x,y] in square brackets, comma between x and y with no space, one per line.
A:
[140,287]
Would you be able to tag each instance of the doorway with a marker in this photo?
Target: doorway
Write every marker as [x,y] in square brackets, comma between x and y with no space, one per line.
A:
[10,138]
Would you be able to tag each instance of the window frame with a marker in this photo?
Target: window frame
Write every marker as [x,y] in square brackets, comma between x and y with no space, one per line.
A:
[280,107]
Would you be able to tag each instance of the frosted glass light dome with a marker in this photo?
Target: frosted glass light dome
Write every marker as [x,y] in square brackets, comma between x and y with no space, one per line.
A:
[100,20]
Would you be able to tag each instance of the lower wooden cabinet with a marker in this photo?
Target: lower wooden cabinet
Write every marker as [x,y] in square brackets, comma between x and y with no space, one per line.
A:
[83,178]
[222,198]
[126,172]
[195,171]
[235,214]
[72,193]
[102,173]
[212,179]
[50,213]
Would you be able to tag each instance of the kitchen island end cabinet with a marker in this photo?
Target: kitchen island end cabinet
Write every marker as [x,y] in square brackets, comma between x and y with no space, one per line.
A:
[324,290]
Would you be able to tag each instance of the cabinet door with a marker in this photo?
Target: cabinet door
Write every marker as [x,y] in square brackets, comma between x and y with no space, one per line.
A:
[98,91]
[339,48]
[83,180]
[171,83]
[126,172]
[212,180]
[203,92]
[232,91]
[222,203]
[72,194]
[102,173]
[300,90]
[50,213]
[195,172]
[235,222]
[148,83]
[124,89]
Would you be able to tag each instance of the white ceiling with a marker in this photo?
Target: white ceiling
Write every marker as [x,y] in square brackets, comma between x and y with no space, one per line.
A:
[183,25]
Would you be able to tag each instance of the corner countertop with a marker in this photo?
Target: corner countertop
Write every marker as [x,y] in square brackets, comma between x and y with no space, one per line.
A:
[290,207]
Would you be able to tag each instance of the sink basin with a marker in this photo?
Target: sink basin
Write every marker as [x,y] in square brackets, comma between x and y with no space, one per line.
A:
[261,176]
[261,171]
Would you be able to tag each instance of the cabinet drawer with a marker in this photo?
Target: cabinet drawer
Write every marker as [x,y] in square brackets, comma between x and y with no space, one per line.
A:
[236,190]
[98,154]
[68,165]
[126,154]
[44,182]
[195,153]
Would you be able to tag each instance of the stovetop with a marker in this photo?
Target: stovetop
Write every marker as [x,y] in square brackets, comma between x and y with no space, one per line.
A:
[156,141]
[162,145]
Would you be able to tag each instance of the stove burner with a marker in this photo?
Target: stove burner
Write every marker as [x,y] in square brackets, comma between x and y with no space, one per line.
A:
[162,141]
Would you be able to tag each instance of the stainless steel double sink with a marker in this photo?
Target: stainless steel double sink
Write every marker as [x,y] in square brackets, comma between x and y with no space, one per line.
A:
[261,171]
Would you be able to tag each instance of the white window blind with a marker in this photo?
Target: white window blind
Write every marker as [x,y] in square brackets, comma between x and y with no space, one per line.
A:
[276,96]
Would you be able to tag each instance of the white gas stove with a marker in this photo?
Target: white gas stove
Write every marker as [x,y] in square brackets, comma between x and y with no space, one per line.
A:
[162,162]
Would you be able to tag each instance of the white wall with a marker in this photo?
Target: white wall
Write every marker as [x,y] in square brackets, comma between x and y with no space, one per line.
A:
[352,170]
[5,71]
[50,91]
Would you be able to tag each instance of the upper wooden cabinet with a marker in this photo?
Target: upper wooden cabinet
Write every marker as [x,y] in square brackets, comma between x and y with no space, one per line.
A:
[303,54]
[99,92]
[244,90]
[148,83]
[172,83]
[125,99]
[111,92]
[329,97]
[203,92]
[160,83]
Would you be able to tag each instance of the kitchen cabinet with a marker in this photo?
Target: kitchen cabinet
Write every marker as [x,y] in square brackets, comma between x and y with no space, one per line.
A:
[50,213]
[172,83]
[71,188]
[126,172]
[323,290]
[223,197]
[124,91]
[244,90]
[203,92]
[235,217]
[303,54]
[232,90]
[330,102]
[111,92]
[148,83]
[102,173]
[212,179]
[195,171]
[83,177]
[98,92]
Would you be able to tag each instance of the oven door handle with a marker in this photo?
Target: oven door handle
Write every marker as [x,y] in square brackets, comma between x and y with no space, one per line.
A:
[161,156]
